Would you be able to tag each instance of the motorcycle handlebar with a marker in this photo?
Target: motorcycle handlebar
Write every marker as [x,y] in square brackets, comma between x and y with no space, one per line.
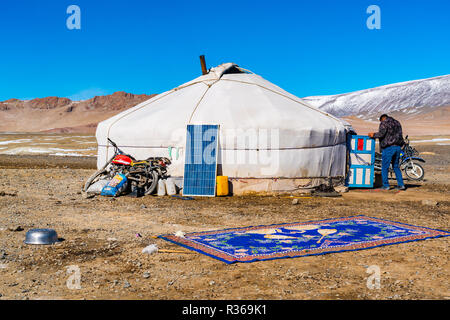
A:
[112,142]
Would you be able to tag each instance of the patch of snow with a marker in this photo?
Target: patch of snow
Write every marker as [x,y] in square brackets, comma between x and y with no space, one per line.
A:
[60,154]
[432,140]
[15,141]
[26,150]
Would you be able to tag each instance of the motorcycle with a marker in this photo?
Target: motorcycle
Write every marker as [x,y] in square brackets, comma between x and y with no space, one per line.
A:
[143,175]
[408,162]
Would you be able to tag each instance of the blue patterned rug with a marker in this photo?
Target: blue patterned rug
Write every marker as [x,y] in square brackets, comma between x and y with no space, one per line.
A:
[290,240]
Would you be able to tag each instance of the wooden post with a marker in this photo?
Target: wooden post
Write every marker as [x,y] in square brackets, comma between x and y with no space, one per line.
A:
[203,64]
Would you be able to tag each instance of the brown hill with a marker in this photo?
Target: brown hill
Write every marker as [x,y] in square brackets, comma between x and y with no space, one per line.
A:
[55,114]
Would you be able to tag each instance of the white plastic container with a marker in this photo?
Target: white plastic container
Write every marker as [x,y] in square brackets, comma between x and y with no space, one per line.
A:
[97,187]
[170,187]
[161,188]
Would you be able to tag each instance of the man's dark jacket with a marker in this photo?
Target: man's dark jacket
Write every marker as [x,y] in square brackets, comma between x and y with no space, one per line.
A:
[390,133]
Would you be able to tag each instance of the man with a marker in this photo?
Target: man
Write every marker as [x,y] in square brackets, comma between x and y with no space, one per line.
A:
[391,140]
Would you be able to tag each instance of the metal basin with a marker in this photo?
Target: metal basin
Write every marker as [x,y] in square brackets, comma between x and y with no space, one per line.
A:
[41,236]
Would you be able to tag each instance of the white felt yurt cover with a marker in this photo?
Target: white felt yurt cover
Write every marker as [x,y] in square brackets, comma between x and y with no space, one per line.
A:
[265,132]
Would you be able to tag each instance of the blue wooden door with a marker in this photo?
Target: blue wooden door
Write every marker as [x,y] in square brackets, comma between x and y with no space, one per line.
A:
[362,157]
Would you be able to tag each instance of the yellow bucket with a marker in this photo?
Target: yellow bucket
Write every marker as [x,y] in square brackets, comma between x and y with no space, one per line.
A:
[222,185]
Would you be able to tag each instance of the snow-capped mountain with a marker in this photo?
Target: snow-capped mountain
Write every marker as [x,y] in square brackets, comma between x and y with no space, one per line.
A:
[408,98]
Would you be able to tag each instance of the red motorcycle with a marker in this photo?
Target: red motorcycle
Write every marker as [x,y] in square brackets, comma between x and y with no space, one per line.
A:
[142,175]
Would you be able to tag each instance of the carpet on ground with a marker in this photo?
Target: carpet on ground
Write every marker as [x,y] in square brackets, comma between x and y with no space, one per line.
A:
[289,240]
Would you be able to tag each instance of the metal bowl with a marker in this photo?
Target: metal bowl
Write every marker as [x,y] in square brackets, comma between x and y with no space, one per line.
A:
[41,236]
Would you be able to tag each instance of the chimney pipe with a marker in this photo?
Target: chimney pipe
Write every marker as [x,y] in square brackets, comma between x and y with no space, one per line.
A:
[203,64]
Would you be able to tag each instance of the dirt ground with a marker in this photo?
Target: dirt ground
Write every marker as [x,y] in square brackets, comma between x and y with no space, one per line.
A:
[100,238]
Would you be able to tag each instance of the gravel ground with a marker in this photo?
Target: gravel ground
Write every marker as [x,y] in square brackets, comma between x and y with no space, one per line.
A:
[103,239]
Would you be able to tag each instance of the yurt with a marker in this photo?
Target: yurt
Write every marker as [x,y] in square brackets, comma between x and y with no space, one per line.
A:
[269,140]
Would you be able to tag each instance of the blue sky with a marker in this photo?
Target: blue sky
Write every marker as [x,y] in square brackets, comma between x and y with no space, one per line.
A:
[305,47]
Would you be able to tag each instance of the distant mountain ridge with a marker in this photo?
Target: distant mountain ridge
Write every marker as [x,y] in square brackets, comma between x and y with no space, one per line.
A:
[409,98]
[55,114]
[423,107]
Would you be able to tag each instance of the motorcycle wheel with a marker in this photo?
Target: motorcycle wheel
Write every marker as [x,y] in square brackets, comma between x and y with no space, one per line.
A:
[93,178]
[414,171]
[152,183]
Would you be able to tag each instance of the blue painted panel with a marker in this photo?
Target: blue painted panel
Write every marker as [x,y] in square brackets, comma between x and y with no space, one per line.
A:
[365,183]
